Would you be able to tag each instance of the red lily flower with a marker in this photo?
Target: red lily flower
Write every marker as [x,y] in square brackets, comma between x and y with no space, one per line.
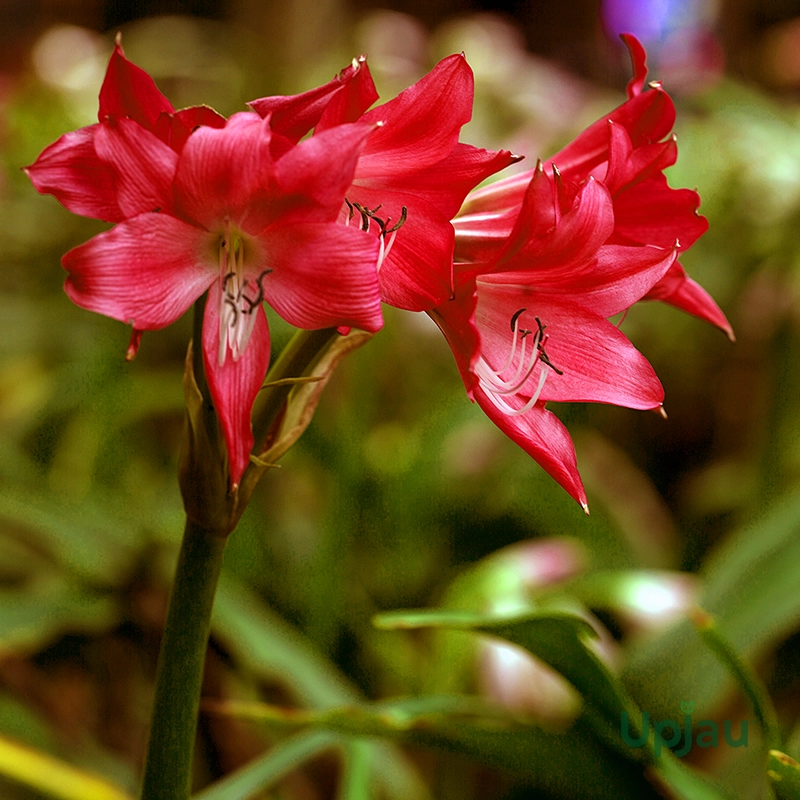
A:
[413,174]
[627,151]
[531,325]
[218,211]
[71,170]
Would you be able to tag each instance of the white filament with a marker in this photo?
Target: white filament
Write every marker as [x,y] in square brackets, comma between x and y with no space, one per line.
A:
[237,316]
[498,387]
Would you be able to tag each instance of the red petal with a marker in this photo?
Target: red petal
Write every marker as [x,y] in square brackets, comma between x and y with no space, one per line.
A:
[234,385]
[228,173]
[357,94]
[638,64]
[612,282]
[545,439]
[679,290]
[538,243]
[323,275]
[417,131]
[144,166]
[71,171]
[537,431]
[480,237]
[145,271]
[128,91]
[653,213]
[418,272]
[445,184]
[598,362]
[647,118]
[318,172]
[344,99]
[175,129]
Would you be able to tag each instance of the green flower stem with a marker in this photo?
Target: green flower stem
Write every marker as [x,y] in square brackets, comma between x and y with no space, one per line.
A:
[749,682]
[168,767]
[302,352]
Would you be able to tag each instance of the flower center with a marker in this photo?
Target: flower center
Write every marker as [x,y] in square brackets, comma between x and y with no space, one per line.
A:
[239,296]
[368,216]
[527,350]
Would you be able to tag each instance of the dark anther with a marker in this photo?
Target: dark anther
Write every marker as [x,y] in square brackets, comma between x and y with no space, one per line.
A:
[260,296]
[232,303]
[156,210]
[524,331]
[399,223]
[543,357]
[225,281]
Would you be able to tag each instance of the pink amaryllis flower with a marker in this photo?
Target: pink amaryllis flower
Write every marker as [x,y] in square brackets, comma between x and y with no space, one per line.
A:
[234,211]
[628,151]
[531,325]
[412,175]
[70,169]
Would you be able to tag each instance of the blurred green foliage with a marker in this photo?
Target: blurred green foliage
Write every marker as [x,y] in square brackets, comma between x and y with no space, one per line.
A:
[401,495]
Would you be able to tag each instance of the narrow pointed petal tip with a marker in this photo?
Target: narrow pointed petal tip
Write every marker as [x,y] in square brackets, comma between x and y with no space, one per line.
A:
[133,345]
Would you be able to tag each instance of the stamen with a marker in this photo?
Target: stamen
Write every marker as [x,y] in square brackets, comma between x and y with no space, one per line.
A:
[237,310]
[497,387]
[370,215]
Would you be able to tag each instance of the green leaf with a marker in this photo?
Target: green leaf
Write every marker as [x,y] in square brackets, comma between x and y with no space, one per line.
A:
[269,768]
[568,764]
[53,777]
[34,618]
[784,775]
[80,538]
[559,639]
[269,647]
[750,588]
[357,780]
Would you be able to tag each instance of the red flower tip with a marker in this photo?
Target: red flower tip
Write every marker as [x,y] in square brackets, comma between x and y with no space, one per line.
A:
[638,62]
[133,346]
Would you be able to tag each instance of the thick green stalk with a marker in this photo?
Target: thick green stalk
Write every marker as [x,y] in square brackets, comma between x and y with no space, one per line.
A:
[168,768]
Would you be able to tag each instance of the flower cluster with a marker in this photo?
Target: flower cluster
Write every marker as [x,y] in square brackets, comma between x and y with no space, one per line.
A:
[324,207]
[544,258]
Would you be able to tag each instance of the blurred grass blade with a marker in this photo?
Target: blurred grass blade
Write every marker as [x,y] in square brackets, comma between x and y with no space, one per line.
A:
[744,675]
[568,764]
[53,777]
[37,617]
[784,775]
[270,768]
[559,639]
[272,649]
[357,779]
[750,587]
[687,784]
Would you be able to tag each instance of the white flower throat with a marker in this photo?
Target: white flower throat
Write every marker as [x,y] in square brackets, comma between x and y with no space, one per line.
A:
[240,297]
